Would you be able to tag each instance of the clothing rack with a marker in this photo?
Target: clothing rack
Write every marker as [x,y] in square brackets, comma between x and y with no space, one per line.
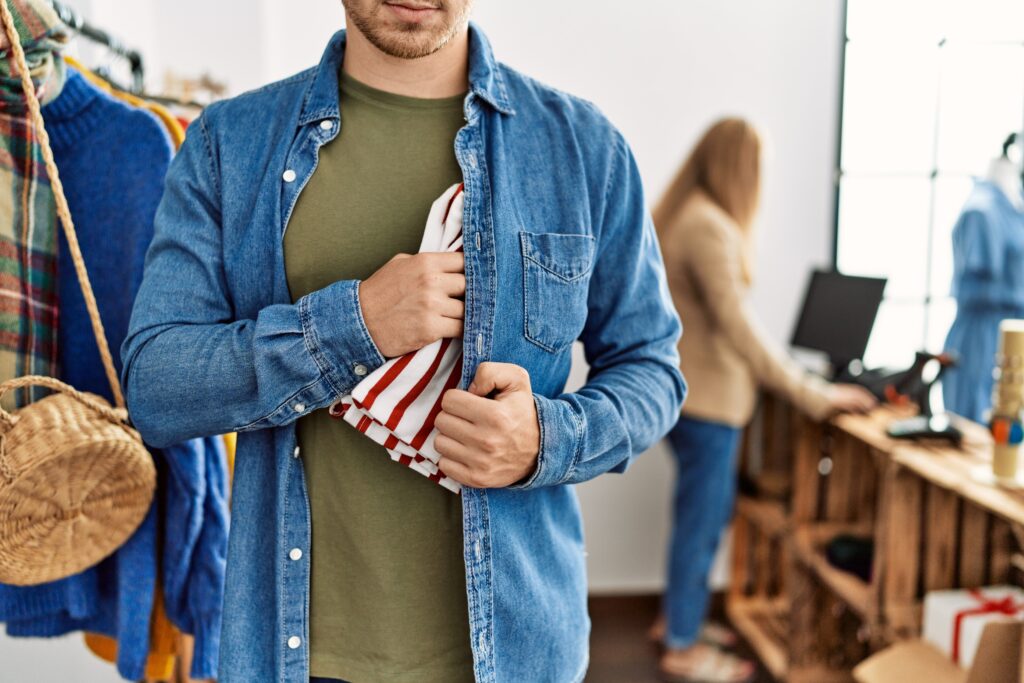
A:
[172,101]
[134,58]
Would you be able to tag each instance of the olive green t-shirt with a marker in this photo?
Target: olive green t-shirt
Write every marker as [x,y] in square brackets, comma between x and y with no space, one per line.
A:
[388,588]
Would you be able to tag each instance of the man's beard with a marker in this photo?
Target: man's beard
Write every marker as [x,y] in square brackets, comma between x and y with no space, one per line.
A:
[407,41]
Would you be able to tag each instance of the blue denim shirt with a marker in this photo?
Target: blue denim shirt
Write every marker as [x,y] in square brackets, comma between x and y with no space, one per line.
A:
[558,247]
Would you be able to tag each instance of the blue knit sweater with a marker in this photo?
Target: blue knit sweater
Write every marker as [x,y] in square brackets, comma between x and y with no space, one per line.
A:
[112,160]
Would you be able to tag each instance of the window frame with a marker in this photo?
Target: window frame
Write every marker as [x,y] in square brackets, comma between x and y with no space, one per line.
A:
[932,300]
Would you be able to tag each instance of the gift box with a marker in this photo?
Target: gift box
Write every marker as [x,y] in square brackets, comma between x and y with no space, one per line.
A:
[954,619]
[998,660]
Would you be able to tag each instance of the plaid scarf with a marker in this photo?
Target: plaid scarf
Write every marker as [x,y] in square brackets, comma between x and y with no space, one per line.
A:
[28,215]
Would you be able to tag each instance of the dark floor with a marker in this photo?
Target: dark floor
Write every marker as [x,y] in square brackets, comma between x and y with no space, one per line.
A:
[619,649]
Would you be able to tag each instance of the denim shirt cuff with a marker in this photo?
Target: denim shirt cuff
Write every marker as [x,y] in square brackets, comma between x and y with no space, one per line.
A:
[560,438]
[336,335]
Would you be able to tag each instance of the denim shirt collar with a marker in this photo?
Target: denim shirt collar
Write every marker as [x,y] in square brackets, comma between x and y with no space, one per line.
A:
[485,79]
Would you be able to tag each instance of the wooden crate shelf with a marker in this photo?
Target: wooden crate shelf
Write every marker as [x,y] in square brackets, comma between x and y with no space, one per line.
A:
[809,545]
[764,625]
[933,522]
[957,472]
[768,516]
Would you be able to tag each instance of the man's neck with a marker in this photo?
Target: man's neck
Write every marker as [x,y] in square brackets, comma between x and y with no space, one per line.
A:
[442,74]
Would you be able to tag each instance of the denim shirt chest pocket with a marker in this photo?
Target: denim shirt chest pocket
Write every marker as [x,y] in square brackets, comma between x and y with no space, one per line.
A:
[556,279]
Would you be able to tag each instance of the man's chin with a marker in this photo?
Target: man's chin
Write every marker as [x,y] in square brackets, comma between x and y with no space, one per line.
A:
[407,41]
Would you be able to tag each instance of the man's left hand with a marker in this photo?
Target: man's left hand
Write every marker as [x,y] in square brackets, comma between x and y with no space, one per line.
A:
[489,436]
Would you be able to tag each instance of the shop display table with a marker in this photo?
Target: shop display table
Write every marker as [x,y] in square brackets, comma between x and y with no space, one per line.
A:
[934,520]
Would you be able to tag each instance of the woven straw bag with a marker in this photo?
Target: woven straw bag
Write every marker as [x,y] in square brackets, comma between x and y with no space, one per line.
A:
[75,478]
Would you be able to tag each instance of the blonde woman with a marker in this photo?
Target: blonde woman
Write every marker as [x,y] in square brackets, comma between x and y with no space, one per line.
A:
[704,223]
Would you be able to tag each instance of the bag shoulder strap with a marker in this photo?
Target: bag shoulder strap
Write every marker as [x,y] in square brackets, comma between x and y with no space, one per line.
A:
[63,212]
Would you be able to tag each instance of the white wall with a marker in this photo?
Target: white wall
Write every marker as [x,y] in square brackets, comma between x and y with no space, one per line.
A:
[662,70]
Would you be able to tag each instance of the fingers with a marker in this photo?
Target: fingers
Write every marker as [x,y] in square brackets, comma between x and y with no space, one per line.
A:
[455,470]
[442,262]
[473,405]
[447,328]
[455,427]
[466,468]
[500,377]
[473,409]
[858,403]
[464,465]
[453,450]
[859,399]
[452,284]
[452,308]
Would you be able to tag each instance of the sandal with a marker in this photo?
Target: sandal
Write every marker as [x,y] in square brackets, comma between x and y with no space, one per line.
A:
[705,665]
[714,633]
[711,633]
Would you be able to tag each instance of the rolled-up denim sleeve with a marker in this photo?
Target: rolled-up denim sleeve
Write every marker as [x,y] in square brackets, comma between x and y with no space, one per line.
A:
[191,367]
[634,389]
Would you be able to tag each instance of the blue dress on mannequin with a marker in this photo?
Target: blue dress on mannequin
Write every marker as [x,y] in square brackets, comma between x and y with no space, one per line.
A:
[988,284]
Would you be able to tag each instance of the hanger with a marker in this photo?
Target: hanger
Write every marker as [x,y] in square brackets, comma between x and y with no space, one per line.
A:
[134,58]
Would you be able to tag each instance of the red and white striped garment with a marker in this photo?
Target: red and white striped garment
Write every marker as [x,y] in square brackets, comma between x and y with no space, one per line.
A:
[396,405]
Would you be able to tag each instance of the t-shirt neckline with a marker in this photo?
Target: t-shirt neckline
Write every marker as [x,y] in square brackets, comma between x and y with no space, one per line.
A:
[352,87]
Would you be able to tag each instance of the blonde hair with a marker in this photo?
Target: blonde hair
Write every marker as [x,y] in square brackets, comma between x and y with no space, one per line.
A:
[725,165]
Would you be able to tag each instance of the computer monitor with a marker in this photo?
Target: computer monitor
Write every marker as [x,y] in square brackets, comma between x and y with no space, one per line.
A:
[838,314]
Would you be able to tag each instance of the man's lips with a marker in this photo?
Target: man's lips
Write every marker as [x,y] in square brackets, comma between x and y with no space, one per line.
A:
[411,11]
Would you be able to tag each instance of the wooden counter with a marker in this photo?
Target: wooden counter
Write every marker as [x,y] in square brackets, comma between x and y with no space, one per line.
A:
[935,524]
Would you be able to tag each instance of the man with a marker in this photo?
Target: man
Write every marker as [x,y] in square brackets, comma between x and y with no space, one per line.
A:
[280,276]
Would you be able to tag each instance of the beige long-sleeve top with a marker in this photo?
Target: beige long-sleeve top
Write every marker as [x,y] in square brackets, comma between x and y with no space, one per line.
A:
[725,352]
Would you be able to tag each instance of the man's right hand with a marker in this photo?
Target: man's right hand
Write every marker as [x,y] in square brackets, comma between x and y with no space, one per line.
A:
[413,301]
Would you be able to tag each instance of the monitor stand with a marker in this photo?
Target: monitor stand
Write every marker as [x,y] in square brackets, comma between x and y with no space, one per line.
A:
[875,380]
[921,385]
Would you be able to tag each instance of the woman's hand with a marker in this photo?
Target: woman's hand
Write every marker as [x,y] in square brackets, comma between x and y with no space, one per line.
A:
[851,398]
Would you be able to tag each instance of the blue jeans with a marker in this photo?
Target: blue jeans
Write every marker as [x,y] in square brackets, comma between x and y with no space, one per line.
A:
[705,455]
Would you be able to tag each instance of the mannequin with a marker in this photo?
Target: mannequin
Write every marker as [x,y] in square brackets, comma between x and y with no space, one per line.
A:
[988,282]
[1004,174]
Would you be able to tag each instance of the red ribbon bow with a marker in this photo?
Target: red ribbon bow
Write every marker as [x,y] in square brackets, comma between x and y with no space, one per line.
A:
[985,605]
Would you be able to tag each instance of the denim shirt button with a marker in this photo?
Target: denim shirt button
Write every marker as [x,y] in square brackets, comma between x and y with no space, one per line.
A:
[296,452]
[478,551]
[326,124]
[359,369]
[294,642]
[289,176]
[299,407]
[295,554]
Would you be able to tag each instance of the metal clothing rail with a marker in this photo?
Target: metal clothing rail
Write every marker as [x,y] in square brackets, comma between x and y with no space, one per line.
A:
[134,58]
